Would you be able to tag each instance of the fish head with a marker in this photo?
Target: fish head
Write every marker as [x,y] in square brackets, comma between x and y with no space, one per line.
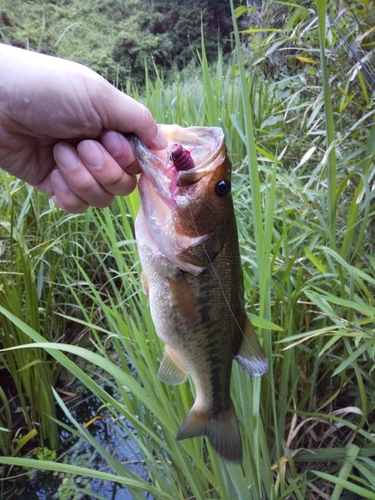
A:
[201,197]
[187,207]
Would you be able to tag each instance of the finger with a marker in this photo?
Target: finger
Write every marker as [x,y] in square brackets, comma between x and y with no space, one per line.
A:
[105,169]
[121,112]
[78,178]
[64,197]
[119,148]
[45,185]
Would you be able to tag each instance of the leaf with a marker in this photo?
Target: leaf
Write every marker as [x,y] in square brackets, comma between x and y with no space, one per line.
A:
[317,263]
[355,488]
[83,471]
[352,358]
[240,10]
[264,323]
[24,440]
[306,59]
[272,120]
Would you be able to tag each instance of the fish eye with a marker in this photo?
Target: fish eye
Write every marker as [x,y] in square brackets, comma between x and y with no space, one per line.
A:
[222,188]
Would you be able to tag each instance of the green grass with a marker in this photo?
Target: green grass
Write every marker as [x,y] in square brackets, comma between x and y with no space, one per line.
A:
[303,193]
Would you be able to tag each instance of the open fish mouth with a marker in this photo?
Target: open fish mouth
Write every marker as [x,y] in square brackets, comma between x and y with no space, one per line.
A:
[203,144]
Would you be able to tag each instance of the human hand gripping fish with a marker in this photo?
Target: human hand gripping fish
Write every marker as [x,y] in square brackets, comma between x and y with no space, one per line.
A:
[188,245]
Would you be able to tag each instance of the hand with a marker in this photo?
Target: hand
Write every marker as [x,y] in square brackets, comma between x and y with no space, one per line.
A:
[61,128]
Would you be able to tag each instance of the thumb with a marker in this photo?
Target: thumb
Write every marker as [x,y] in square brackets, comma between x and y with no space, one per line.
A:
[118,111]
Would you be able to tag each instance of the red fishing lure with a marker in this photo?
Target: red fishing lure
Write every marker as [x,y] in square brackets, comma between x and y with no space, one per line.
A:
[180,159]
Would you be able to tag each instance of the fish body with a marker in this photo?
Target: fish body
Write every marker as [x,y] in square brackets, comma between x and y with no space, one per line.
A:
[188,245]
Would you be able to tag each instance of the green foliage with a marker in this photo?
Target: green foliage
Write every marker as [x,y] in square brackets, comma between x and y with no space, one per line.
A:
[22,283]
[308,425]
[117,38]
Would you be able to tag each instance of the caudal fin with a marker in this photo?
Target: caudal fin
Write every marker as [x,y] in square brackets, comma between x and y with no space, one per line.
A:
[222,431]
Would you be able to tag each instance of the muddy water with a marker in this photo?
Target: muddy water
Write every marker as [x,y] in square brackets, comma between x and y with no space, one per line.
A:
[54,486]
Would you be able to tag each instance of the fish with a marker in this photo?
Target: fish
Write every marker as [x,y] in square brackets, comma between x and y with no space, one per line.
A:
[191,272]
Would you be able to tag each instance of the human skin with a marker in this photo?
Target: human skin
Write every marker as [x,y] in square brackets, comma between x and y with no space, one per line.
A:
[61,130]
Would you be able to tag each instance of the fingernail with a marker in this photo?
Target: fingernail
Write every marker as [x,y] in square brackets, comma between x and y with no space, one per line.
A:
[160,140]
[58,181]
[114,142]
[91,153]
[66,156]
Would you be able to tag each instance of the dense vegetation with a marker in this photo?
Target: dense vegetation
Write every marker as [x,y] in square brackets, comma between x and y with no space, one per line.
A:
[298,113]
[117,38]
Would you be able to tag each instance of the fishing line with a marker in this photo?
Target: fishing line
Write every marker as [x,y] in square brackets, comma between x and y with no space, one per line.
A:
[215,273]
[352,50]
[230,308]
[341,14]
[213,268]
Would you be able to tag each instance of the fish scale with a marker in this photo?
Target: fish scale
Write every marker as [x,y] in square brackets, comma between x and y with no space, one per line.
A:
[188,246]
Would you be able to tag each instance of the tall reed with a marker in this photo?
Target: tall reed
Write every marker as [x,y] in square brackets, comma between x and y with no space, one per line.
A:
[304,220]
[21,277]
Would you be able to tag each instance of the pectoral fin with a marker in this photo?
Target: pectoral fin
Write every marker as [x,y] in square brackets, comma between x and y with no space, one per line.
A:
[184,299]
[144,281]
[170,371]
[250,355]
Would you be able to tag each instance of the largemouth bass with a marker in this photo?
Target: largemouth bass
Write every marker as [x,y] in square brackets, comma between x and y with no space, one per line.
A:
[188,246]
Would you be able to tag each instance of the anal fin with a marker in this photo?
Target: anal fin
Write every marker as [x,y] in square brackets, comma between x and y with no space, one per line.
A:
[170,372]
[250,355]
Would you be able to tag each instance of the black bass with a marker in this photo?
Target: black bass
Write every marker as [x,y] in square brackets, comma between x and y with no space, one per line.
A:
[188,245]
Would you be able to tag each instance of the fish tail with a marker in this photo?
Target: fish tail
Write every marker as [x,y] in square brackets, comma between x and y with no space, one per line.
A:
[221,429]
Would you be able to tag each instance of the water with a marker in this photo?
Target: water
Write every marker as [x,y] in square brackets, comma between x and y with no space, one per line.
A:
[51,486]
